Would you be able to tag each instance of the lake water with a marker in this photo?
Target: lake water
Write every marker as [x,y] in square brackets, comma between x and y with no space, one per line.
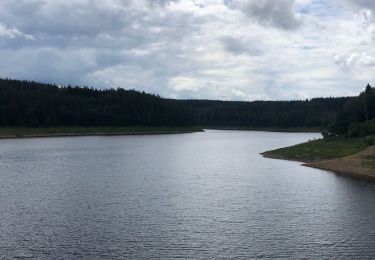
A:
[201,196]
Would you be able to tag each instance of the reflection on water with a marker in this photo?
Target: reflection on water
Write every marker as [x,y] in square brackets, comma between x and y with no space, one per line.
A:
[203,195]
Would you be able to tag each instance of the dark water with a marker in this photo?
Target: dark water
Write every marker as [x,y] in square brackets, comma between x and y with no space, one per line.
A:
[201,196]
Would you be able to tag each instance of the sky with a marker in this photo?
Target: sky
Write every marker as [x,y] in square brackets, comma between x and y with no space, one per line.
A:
[193,49]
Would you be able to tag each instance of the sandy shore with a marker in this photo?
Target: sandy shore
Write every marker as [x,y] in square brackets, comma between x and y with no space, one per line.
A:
[361,164]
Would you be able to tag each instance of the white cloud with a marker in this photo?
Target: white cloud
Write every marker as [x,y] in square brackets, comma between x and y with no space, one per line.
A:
[12,33]
[238,49]
[186,84]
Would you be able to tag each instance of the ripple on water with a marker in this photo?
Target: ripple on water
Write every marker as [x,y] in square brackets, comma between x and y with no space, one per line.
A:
[196,196]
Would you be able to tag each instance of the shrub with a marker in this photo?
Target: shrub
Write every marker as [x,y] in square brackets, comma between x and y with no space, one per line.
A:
[362,129]
[370,140]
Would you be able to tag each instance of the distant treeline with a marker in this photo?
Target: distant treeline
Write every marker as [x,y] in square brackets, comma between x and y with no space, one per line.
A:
[357,116]
[25,103]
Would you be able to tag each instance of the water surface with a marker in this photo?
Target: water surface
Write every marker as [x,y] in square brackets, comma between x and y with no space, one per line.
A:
[201,196]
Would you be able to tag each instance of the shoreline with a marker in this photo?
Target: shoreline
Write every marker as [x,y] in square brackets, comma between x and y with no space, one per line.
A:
[269,155]
[344,173]
[270,129]
[44,132]
[16,133]
[356,165]
[359,165]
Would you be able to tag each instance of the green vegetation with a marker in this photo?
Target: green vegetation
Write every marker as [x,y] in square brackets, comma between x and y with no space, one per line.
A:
[61,131]
[32,104]
[357,116]
[369,161]
[352,131]
[313,113]
[322,149]
[270,129]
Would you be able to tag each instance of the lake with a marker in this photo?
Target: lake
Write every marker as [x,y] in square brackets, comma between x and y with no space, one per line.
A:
[203,195]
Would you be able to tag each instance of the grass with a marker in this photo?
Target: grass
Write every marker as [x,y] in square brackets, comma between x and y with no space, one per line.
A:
[268,129]
[56,131]
[369,161]
[322,149]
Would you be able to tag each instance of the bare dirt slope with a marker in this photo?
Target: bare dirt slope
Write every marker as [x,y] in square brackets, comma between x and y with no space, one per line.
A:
[361,164]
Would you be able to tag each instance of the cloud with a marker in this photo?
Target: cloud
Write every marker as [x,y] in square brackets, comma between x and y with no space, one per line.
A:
[12,33]
[367,4]
[277,13]
[355,60]
[238,46]
[241,50]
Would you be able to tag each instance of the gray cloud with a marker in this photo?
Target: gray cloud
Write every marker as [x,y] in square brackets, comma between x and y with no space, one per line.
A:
[160,2]
[368,4]
[65,18]
[277,13]
[185,48]
[238,46]
[71,45]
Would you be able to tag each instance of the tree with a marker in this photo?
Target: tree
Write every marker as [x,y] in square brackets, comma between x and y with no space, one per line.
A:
[368,88]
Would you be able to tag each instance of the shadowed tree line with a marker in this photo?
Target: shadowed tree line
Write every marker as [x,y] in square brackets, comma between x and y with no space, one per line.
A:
[357,116]
[317,112]
[24,103]
[32,104]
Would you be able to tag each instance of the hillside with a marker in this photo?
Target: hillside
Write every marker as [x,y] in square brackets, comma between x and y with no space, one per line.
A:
[347,147]
[33,104]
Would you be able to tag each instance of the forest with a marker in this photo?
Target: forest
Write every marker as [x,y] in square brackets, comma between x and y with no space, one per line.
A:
[357,117]
[33,104]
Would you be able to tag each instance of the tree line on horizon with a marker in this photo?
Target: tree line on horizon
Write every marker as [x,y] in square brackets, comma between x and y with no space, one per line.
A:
[33,104]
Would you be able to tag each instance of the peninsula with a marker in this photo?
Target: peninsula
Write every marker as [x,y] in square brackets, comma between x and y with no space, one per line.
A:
[349,145]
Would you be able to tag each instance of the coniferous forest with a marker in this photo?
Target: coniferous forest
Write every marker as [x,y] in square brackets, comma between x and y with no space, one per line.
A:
[32,104]
[357,117]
